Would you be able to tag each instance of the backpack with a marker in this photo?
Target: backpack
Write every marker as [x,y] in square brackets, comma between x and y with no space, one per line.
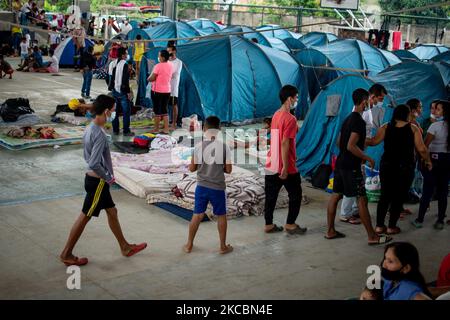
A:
[11,109]
[321,176]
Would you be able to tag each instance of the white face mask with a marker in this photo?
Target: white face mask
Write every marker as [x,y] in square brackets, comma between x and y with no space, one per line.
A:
[112,117]
[294,105]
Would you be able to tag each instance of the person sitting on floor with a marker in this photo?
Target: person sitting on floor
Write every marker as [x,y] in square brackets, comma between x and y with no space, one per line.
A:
[5,67]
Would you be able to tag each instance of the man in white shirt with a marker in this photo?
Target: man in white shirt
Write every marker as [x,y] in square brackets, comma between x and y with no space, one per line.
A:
[177,66]
[374,116]
[125,27]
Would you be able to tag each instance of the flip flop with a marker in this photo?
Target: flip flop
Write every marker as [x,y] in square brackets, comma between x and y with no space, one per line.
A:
[336,236]
[75,262]
[397,230]
[275,229]
[351,220]
[136,249]
[296,230]
[383,230]
[381,240]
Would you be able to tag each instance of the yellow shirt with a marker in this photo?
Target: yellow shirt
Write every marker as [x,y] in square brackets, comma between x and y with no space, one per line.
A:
[99,49]
[16,30]
[139,50]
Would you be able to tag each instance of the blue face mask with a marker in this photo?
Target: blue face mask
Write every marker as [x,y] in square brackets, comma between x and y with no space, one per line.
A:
[439,118]
[112,117]
[89,115]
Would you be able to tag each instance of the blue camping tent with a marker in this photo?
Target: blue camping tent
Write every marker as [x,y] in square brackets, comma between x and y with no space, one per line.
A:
[205,26]
[66,51]
[158,20]
[405,55]
[428,51]
[317,38]
[444,56]
[246,87]
[316,141]
[250,34]
[272,30]
[327,62]
[444,69]
[294,44]
[171,29]
[132,35]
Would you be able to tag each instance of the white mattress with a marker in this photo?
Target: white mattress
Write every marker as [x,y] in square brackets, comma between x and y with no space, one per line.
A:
[141,184]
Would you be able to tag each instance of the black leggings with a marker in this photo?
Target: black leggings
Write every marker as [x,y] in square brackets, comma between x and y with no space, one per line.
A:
[160,102]
[273,184]
[438,178]
[395,183]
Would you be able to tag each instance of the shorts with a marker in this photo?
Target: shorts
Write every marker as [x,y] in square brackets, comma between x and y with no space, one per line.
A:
[23,56]
[98,196]
[204,195]
[173,101]
[160,102]
[350,183]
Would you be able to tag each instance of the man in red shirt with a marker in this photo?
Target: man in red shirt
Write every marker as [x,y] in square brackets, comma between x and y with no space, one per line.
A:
[281,167]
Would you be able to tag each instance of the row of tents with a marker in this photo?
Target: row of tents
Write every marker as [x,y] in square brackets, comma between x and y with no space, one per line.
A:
[237,77]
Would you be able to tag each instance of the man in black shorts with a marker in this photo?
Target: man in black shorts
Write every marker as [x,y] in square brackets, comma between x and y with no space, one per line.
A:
[348,177]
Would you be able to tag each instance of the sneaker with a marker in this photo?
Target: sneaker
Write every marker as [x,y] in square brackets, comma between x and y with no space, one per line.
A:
[439,225]
[417,224]
[128,134]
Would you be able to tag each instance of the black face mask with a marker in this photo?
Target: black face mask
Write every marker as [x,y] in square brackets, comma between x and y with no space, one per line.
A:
[171,55]
[392,275]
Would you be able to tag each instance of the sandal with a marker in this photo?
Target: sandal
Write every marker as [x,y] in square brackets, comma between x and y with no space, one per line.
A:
[136,249]
[381,240]
[275,229]
[296,230]
[351,220]
[395,230]
[75,262]
[336,236]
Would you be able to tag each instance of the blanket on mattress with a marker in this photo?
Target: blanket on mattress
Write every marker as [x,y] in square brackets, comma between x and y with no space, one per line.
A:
[66,117]
[68,135]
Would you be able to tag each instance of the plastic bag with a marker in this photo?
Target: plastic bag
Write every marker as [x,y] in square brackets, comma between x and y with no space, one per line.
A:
[191,123]
[373,185]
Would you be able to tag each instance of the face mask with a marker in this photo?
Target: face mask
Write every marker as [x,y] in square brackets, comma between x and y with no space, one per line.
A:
[112,117]
[89,115]
[392,275]
[439,118]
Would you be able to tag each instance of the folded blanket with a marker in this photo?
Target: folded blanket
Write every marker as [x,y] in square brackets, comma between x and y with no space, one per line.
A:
[24,120]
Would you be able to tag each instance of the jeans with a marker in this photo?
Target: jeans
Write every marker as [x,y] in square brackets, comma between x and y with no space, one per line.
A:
[87,80]
[395,183]
[273,184]
[437,178]
[122,100]
[349,207]
[17,38]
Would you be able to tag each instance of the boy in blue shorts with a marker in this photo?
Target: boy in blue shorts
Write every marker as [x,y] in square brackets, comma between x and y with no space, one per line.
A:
[211,160]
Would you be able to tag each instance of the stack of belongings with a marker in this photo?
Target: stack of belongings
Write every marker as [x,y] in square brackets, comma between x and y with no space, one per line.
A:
[17,112]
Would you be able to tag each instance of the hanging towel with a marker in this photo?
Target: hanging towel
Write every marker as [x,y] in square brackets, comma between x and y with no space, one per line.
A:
[119,74]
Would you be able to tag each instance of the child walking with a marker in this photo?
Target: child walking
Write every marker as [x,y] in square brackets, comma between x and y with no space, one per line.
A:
[99,177]
[211,159]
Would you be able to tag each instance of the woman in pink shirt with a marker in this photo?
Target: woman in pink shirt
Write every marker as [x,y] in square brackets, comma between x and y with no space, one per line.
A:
[160,78]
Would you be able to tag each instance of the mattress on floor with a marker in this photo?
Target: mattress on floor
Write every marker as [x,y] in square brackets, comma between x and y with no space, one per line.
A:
[68,135]
[141,184]
[245,194]
[70,118]
[24,120]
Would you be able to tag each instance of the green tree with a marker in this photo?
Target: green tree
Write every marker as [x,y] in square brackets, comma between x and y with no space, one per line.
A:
[390,6]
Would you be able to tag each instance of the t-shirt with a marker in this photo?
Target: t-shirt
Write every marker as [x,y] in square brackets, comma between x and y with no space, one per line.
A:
[23,48]
[440,132]
[99,49]
[444,273]
[374,119]
[163,73]
[125,28]
[54,65]
[284,126]
[38,58]
[96,152]
[211,156]
[175,82]
[55,38]
[347,160]
[28,39]
[403,290]
[16,30]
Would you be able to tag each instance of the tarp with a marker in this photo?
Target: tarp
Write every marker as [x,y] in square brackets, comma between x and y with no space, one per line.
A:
[317,38]
[245,83]
[158,20]
[66,50]
[171,29]
[205,26]
[428,51]
[316,141]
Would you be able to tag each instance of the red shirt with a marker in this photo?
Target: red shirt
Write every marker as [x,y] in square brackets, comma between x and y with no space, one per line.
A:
[284,126]
[443,279]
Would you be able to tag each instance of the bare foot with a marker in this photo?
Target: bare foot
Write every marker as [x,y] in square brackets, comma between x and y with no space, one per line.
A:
[187,248]
[227,249]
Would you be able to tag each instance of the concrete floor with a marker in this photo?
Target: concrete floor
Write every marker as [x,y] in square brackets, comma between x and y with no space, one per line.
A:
[41,193]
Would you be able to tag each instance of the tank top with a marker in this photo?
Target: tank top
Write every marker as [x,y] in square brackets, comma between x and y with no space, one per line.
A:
[399,146]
